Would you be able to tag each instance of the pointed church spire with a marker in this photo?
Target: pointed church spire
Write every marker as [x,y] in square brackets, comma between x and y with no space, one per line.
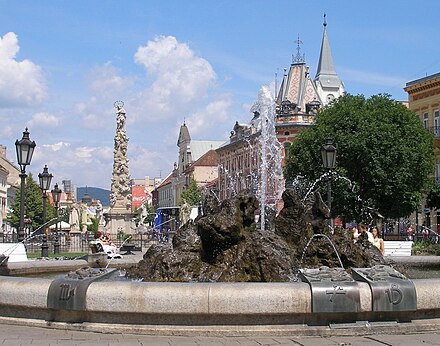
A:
[325,65]
[327,81]
[184,136]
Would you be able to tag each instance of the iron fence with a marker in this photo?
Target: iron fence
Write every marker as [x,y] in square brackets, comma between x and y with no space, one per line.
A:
[68,244]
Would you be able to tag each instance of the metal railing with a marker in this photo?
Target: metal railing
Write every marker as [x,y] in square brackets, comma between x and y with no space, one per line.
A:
[67,244]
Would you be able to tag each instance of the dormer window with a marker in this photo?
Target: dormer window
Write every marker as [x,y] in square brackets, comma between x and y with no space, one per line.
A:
[313,107]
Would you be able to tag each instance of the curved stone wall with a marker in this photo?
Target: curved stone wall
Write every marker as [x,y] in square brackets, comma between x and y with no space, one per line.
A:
[199,304]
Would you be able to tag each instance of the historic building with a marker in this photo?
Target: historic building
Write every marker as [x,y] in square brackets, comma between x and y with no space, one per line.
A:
[239,160]
[190,164]
[142,191]
[424,100]
[298,100]
[9,183]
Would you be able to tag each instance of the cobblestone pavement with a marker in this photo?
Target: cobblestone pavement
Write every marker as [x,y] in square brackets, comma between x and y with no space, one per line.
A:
[12,335]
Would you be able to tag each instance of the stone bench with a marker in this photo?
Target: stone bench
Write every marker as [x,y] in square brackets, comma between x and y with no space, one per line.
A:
[15,251]
[398,248]
[96,247]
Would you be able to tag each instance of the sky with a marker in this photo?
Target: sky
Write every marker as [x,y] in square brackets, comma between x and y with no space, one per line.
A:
[63,64]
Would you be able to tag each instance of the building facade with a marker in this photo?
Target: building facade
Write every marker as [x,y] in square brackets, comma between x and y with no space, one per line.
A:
[424,100]
[298,100]
[299,97]
[190,164]
[9,183]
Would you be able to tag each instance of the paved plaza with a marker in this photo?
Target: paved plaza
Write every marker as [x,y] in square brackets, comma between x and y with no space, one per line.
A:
[12,335]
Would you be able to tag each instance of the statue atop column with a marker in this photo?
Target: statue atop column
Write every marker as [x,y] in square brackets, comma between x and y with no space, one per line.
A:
[120,197]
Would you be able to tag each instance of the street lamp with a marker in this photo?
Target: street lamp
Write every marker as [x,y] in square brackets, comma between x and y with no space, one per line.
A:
[56,194]
[328,153]
[45,179]
[25,149]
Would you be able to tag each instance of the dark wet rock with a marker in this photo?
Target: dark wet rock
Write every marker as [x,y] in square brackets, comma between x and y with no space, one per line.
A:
[224,245]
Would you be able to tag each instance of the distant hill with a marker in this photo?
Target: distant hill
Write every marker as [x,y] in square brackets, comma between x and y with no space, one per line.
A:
[94,193]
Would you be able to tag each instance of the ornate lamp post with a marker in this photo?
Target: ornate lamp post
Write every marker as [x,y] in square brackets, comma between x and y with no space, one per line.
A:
[328,153]
[56,194]
[25,149]
[45,179]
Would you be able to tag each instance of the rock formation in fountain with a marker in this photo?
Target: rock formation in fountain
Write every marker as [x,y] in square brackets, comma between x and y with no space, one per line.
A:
[225,245]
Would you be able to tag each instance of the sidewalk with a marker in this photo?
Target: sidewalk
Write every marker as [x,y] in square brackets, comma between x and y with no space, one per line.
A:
[12,335]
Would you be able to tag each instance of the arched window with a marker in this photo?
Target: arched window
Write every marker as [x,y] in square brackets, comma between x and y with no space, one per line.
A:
[286,149]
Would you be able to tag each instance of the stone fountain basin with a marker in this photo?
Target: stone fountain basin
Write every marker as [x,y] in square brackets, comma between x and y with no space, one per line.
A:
[211,308]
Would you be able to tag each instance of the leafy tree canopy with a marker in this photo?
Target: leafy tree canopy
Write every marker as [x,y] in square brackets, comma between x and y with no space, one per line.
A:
[191,194]
[382,148]
[33,206]
[433,198]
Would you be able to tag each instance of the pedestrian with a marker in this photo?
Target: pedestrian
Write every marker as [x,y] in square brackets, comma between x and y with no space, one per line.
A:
[364,233]
[377,241]
[410,232]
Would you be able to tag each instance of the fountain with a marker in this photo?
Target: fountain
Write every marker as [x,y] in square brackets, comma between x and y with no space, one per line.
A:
[225,275]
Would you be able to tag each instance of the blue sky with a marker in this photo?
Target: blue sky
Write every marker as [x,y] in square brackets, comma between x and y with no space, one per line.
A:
[64,63]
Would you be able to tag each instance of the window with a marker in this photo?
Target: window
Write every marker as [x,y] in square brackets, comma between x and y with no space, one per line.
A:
[286,149]
[425,120]
[437,169]
[436,123]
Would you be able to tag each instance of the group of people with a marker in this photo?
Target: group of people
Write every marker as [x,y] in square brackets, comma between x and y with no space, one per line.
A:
[106,241]
[362,232]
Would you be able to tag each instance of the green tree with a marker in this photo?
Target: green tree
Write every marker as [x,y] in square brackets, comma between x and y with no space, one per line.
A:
[93,227]
[433,198]
[191,194]
[33,206]
[382,148]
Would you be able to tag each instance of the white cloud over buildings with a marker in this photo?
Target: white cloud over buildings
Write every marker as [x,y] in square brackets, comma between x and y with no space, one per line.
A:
[180,78]
[22,83]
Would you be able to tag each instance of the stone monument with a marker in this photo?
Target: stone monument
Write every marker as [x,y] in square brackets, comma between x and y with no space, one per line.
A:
[120,215]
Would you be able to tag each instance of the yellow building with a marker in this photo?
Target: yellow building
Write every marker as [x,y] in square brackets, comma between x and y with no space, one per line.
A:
[424,100]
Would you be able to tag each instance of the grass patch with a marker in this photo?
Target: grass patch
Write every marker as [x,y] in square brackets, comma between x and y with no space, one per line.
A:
[425,248]
[34,255]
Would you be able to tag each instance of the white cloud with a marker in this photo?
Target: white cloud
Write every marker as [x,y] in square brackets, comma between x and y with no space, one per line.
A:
[57,146]
[44,120]
[181,78]
[6,131]
[21,82]
[83,165]
[145,160]
[202,122]
[105,82]
[106,87]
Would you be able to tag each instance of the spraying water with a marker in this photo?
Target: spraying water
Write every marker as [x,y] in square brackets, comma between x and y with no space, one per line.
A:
[271,182]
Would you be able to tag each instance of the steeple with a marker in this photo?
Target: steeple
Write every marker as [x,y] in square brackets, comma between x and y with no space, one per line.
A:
[184,137]
[327,80]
